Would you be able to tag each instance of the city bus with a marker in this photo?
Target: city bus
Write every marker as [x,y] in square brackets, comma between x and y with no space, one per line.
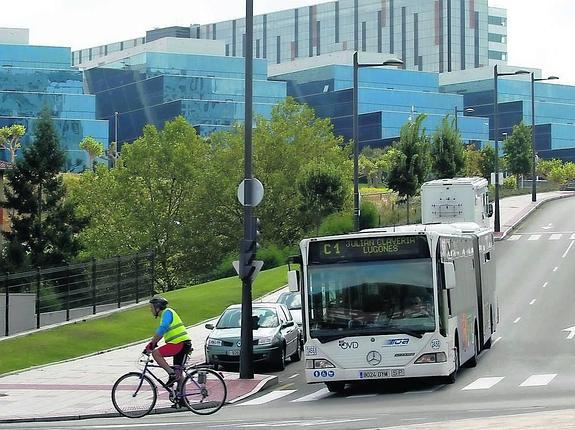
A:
[401,302]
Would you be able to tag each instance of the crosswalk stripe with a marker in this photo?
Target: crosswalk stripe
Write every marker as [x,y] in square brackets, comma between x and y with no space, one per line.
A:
[483,383]
[538,380]
[534,237]
[515,237]
[320,394]
[555,236]
[269,397]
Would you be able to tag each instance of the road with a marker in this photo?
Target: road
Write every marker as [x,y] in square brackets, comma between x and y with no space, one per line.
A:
[529,368]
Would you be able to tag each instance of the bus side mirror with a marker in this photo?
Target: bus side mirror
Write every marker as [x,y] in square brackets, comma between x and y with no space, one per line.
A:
[490,210]
[293,281]
[449,270]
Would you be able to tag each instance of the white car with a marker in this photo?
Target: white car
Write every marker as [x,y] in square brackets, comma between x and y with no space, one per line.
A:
[292,301]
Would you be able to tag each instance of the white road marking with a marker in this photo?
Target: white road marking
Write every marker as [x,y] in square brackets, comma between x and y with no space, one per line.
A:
[555,236]
[568,248]
[545,284]
[555,269]
[538,380]
[571,331]
[496,340]
[320,394]
[534,237]
[306,423]
[269,397]
[573,236]
[532,301]
[517,320]
[483,383]
[360,396]
[295,375]
[515,237]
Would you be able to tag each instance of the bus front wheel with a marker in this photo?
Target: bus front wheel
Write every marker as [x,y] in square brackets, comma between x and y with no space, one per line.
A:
[335,387]
[453,376]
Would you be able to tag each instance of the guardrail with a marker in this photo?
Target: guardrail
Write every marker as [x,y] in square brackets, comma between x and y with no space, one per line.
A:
[50,295]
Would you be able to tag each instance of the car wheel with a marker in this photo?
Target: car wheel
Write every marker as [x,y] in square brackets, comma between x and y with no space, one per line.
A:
[296,356]
[280,363]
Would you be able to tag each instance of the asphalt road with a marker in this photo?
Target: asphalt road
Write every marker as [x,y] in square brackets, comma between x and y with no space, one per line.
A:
[529,368]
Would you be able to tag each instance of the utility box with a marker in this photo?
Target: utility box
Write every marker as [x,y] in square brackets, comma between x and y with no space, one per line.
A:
[454,200]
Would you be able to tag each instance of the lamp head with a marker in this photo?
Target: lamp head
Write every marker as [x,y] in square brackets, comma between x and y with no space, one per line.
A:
[393,62]
[552,78]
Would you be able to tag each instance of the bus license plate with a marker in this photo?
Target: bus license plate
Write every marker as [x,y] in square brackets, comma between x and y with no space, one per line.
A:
[380,374]
[234,352]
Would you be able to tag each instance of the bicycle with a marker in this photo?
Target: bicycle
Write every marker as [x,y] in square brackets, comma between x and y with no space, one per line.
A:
[199,388]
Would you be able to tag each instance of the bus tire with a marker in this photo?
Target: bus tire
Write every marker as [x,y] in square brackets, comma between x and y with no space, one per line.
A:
[335,387]
[453,376]
[473,360]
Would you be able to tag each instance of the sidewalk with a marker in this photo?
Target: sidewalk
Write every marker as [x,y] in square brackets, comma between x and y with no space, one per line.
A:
[80,388]
[515,209]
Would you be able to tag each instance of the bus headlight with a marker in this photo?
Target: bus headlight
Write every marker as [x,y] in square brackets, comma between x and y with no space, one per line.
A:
[318,364]
[435,357]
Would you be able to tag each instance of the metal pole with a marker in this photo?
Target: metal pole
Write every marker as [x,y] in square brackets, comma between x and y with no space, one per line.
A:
[38,282]
[7,301]
[533,184]
[118,277]
[116,129]
[355,144]
[137,278]
[246,348]
[496,132]
[456,111]
[94,286]
[67,292]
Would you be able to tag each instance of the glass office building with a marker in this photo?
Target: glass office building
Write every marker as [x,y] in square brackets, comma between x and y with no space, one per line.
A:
[431,35]
[32,77]
[387,99]
[153,87]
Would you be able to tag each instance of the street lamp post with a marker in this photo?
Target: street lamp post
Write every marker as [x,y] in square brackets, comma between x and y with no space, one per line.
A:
[496,74]
[533,181]
[116,128]
[458,111]
[356,67]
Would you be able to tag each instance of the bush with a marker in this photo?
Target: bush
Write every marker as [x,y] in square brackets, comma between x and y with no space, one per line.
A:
[509,183]
[338,223]
[368,216]
[272,256]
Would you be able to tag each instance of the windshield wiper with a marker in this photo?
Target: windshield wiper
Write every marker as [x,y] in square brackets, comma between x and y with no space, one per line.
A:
[395,329]
[331,337]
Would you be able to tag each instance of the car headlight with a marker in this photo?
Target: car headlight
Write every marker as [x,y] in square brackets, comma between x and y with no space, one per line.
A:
[265,340]
[214,342]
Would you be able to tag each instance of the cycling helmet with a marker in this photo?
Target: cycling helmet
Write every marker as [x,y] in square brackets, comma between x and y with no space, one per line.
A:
[159,302]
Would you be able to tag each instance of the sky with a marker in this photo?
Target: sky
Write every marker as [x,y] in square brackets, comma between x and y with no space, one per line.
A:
[539,32]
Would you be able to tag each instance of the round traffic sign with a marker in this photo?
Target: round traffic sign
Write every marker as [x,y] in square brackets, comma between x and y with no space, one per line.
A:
[257,192]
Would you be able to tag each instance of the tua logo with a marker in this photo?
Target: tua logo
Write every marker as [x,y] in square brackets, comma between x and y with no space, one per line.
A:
[397,341]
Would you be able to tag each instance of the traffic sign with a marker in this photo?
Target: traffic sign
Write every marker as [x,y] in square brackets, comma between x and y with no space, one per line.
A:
[257,265]
[257,192]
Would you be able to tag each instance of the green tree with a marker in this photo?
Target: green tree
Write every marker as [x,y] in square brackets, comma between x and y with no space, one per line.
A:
[413,164]
[447,152]
[368,169]
[323,192]
[544,167]
[94,148]
[518,151]
[487,162]
[149,201]
[44,226]
[10,137]
[472,161]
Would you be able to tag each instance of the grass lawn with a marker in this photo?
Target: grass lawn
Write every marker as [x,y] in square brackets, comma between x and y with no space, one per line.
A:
[194,304]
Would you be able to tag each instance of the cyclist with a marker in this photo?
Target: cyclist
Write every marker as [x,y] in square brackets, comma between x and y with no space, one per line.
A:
[177,341]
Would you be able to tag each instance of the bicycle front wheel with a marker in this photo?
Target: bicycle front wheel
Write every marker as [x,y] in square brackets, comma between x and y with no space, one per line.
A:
[134,395]
[204,391]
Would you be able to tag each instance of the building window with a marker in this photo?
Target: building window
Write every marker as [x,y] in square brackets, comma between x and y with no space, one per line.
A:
[498,38]
[497,20]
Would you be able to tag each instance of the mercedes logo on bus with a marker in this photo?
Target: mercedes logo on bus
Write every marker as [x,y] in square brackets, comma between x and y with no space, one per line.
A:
[373,358]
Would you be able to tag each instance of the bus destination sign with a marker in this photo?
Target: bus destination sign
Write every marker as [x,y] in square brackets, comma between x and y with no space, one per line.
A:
[367,249]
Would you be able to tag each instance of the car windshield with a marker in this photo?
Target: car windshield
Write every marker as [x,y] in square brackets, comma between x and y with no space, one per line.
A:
[232,318]
[382,297]
[291,300]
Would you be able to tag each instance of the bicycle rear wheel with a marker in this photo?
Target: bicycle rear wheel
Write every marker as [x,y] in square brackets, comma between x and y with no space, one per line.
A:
[134,395]
[204,391]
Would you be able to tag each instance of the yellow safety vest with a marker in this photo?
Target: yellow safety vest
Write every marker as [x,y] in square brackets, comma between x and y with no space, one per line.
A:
[176,333]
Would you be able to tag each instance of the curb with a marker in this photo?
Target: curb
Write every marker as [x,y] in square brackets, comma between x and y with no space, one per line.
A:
[522,218]
[269,381]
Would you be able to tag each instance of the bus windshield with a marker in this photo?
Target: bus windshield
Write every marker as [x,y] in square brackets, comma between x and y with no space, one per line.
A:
[370,298]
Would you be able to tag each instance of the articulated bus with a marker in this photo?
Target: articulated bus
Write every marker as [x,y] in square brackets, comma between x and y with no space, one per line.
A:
[402,302]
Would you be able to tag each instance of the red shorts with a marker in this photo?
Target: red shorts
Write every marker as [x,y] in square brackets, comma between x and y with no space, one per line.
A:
[170,349]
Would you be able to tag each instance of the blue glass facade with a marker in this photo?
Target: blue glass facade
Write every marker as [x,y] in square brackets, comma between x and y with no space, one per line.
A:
[554,111]
[387,99]
[32,77]
[151,88]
